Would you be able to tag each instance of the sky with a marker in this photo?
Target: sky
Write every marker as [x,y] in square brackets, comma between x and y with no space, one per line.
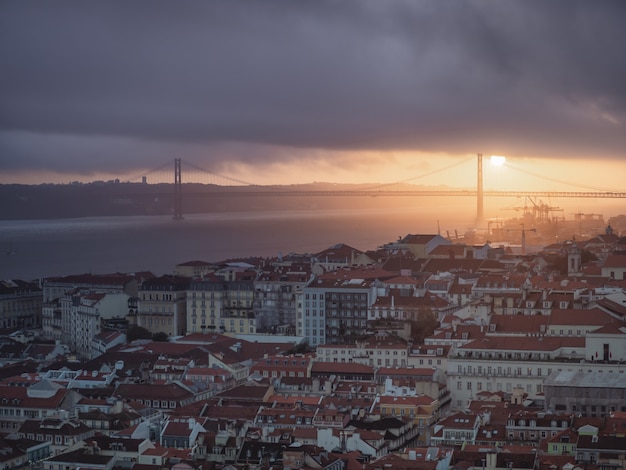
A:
[299,91]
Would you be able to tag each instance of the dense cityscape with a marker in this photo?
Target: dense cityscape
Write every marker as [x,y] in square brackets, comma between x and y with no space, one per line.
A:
[425,353]
[323,235]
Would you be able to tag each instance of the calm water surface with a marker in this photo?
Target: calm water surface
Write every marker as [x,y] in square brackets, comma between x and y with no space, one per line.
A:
[38,248]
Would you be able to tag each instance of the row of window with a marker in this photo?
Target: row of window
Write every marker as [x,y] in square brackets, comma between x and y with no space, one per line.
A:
[18,412]
[499,386]
[508,371]
[370,352]
[282,374]
[162,297]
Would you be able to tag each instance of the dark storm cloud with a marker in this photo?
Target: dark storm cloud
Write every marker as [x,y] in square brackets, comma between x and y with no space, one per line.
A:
[146,79]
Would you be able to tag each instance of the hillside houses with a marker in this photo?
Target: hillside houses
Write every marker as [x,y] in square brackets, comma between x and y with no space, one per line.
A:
[422,354]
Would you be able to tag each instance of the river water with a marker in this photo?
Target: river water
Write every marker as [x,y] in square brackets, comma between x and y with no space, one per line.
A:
[30,249]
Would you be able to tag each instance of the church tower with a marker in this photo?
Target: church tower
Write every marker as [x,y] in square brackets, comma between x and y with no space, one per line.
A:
[573,260]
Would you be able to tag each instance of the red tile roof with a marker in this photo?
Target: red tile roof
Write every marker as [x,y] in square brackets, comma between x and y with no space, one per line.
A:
[525,343]
[574,317]
[169,391]
[341,367]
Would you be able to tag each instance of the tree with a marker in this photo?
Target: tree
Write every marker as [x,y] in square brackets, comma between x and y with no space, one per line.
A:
[137,332]
[160,337]
[300,348]
[424,325]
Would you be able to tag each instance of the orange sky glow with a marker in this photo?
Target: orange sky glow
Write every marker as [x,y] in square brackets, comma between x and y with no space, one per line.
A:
[459,171]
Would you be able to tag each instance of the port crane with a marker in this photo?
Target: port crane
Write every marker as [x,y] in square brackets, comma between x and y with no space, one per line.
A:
[538,211]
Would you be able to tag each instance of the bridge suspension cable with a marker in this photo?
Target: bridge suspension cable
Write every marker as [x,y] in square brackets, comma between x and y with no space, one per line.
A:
[164,171]
[414,178]
[229,179]
[566,183]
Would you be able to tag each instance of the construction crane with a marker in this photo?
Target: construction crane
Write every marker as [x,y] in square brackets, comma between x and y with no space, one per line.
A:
[523,230]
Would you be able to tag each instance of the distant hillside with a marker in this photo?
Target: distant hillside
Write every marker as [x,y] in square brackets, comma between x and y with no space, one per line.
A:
[51,201]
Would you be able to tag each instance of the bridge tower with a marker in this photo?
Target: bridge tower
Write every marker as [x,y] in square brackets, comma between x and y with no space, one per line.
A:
[480,215]
[178,190]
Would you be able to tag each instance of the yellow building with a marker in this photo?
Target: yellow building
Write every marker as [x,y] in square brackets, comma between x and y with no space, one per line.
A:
[162,305]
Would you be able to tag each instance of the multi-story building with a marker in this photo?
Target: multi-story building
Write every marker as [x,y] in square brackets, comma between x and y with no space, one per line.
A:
[429,356]
[456,430]
[168,369]
[420,245]
[56,287]
[339,256]
[55,317]
[423,410]
[52,320]
[595,393]
[20,304]
[605,448]
[378,350]
[40,400]
[83,314]
[334,310]
[194,269]
[614,267]
[204,305]
[60,432]
[162,305]
[222,304]
[106,340]
[405,305]
[500,285]
[283,366]
[277,289]
[528,427]
[578,323]
[504,363]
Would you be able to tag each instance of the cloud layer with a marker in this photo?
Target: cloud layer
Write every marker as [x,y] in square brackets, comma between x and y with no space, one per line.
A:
[93,85]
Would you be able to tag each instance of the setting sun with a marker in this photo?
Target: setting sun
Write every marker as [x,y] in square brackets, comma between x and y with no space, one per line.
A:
[497,160]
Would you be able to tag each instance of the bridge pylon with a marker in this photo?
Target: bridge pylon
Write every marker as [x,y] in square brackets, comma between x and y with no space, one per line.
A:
[480,212]
[178,190]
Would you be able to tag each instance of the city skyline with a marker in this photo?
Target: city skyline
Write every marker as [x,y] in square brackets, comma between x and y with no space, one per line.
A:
[295,93]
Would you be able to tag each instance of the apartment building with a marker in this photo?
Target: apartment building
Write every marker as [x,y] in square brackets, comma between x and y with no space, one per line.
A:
[83,314]
[20,304]
[56,287]
[377,350]
[162,305]
[52,319]
[276,290]
[456,429]
[405,305]
[334,306]
[222,304]
[204,305]
[504,363]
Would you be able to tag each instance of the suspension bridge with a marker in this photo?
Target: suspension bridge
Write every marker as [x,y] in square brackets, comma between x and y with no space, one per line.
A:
[191,181]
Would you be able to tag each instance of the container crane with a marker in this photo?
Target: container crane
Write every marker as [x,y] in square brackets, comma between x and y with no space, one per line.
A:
[538,212]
